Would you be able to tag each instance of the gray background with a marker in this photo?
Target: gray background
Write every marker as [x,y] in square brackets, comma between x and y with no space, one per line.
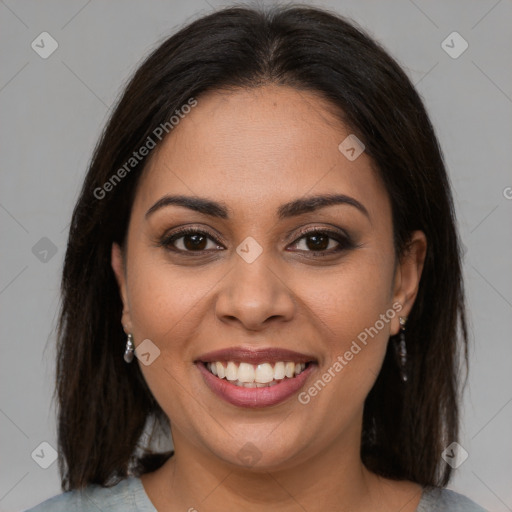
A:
[53,109]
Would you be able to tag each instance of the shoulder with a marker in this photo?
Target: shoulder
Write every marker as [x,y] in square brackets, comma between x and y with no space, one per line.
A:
[126,496]
[441,500]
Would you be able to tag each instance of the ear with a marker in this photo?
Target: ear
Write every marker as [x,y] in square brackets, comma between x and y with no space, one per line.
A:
[408,275]
[118,265]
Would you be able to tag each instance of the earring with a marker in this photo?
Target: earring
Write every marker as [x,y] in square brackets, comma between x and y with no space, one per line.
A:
[401,349]
[130,349]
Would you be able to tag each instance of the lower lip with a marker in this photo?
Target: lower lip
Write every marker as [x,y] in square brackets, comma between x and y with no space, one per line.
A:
[255,397]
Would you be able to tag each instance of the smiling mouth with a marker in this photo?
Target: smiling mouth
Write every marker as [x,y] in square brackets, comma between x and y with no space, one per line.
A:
[261,375]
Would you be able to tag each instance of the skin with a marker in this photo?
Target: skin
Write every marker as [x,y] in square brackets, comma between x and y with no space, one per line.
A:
[254,150]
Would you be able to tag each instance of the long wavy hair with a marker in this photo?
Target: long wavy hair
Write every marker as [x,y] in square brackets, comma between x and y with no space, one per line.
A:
[104,405]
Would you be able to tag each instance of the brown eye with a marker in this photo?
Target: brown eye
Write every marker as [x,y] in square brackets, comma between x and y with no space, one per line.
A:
[317,242]
[190,240]
[322,242]
[194,242]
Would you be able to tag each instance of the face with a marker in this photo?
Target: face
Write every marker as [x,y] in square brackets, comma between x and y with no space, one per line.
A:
[263,271]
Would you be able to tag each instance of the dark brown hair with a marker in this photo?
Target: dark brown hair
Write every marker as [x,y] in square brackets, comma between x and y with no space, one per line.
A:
[103,403]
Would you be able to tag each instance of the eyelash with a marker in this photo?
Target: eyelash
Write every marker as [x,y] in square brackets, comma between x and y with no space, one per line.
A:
[344,241]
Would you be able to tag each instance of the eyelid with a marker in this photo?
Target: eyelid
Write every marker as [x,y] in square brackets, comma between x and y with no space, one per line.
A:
[190,228]
[323,229]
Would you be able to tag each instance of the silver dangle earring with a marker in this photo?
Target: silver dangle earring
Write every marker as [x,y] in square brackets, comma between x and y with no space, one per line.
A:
[130,349]
[402,350]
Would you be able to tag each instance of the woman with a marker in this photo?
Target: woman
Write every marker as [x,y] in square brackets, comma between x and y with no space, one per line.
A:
[267,225]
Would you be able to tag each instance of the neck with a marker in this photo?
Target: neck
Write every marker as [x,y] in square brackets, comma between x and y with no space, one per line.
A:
[333,479]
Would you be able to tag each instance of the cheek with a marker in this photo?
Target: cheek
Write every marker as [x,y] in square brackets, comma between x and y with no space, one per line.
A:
[166,307]
[166,301]
[353,312]
[350,297]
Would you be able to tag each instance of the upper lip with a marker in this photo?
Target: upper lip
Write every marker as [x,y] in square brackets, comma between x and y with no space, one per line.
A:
[255,356]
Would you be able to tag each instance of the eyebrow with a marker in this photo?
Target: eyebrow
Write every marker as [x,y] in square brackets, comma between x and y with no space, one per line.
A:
[285,211]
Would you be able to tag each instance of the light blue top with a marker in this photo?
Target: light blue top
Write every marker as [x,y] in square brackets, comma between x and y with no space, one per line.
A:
[129,496]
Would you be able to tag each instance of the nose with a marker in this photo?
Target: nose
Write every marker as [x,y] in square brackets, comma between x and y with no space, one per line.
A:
[254,295]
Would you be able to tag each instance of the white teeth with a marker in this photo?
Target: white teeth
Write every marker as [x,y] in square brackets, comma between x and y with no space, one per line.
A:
[246,373]
[261,375]
[289,370]
[220,370]
[231,371]
[279,371]
[246,384]
[264,373]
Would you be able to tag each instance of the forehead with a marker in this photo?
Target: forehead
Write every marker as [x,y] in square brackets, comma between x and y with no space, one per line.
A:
[255,149]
